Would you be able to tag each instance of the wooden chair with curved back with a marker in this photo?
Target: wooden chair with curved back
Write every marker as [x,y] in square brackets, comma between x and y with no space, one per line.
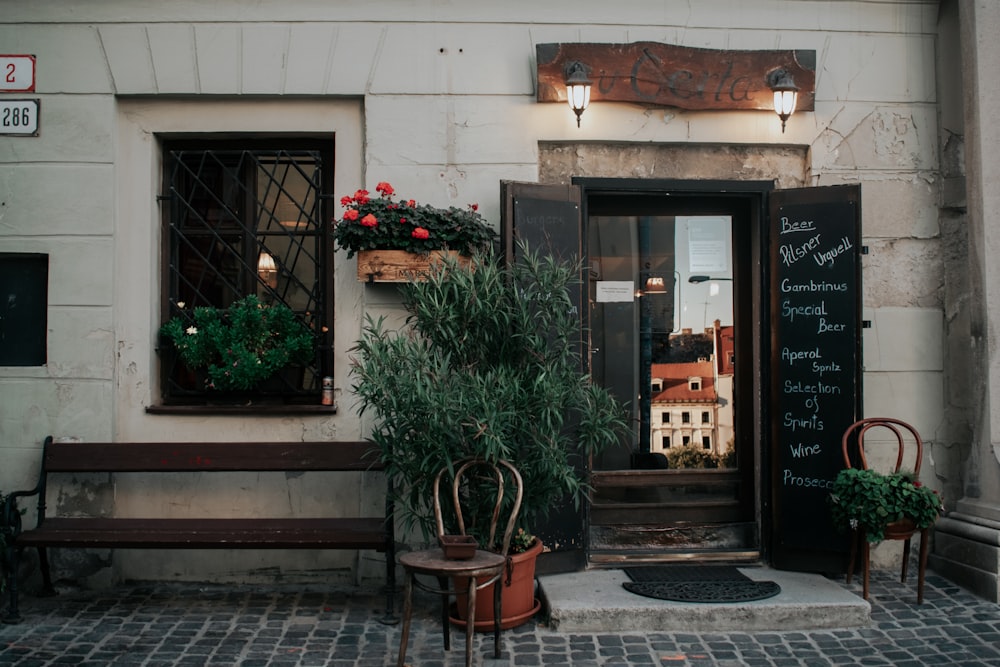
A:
[481,570]
[853,446]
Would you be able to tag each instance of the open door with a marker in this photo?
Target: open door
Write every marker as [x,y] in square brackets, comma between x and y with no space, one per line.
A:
[727,316]
[815,249]
[548,218]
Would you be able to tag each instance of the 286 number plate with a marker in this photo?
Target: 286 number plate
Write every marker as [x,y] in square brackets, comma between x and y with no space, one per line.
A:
[19,117]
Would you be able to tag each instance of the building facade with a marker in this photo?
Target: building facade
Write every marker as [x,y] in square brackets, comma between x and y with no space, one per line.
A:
[442,101]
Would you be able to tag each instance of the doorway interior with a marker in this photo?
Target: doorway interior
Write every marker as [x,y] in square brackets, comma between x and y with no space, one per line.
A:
[674,285]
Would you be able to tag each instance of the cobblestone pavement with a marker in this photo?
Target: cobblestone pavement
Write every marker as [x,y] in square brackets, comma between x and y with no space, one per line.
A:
[160,625]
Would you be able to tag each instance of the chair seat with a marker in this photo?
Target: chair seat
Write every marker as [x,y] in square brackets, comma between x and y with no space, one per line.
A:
[433,561]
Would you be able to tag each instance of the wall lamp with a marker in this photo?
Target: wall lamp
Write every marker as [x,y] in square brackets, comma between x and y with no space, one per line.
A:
[655,285]
[786,94]
[577,88]
[267,270]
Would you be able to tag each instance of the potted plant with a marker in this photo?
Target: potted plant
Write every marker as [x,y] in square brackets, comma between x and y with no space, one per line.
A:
[486,367]
[398,238]
[879,503]
[238,347]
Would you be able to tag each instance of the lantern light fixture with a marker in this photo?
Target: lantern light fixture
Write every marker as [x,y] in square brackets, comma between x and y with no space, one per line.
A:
[577,88]
[786,94]
[655,285]
[267,270]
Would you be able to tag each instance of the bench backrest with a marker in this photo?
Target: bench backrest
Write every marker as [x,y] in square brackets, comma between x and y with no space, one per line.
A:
[209,456]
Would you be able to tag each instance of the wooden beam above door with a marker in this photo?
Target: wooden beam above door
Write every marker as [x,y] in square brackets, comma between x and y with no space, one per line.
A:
[658,74]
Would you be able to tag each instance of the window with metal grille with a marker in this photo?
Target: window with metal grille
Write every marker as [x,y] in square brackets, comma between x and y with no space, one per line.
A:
[246,217]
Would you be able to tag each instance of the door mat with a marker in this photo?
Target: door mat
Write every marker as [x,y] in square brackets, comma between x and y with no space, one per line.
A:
[697,583]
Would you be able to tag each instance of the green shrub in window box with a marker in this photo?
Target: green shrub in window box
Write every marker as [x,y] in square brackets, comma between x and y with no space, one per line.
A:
[238,347]
[869,500]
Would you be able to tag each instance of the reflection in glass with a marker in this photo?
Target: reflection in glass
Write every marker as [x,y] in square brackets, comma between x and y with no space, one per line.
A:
[662,336]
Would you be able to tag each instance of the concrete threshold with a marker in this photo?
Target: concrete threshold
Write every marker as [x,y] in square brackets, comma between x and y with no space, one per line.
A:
[596,601]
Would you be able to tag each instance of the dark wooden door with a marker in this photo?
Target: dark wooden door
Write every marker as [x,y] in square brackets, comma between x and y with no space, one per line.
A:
[547,218]
[815,249]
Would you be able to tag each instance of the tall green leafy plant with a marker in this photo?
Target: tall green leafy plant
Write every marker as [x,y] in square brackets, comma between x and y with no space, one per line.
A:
[486,366]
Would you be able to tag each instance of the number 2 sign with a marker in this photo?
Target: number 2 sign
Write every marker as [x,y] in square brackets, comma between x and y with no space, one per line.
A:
[17,74]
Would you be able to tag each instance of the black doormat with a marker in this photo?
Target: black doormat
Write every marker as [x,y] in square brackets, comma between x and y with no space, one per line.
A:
[697,583]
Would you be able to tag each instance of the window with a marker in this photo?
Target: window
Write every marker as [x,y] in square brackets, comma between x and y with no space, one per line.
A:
[685,417]
[249,217]
[665,442]
[706,417]
[665,418]
[686,440]
[694,384]
[706,442]
[24,282]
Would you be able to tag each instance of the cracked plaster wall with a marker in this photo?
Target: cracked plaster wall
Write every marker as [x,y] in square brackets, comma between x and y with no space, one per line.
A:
[445,111]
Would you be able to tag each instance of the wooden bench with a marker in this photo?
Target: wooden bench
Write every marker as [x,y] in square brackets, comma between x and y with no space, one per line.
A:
[370,532]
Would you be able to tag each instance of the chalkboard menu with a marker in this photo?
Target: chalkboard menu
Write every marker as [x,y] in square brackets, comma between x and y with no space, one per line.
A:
[816,336]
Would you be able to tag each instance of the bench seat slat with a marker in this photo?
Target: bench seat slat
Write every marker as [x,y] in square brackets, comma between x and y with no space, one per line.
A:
[213,456]
[358,533]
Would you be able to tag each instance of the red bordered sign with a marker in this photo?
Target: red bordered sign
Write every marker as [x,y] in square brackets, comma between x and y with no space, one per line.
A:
[17,73]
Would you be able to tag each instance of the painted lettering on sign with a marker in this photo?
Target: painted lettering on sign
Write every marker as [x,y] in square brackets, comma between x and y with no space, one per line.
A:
[815,328]
[677,76]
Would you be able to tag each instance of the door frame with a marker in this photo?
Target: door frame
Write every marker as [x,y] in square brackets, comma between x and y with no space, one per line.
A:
[754,196]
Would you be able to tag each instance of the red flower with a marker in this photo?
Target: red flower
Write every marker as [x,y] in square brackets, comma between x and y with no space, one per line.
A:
[402,221]
[369,220]
[385,189]
[474,207]
[918,484]
[346,201]
[420,233]
[411,203]
[351,214]
[361,196]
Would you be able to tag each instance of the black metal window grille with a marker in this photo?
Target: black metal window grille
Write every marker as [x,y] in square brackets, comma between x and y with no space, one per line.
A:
[249,218]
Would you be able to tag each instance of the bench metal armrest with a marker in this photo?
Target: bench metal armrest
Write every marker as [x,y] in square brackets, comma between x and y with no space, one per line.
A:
[10,515]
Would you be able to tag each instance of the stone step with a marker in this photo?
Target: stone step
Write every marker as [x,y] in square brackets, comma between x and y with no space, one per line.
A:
[595,601]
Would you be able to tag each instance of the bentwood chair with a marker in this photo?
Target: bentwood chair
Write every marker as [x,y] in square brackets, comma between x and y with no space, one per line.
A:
[853,446]
[477,572]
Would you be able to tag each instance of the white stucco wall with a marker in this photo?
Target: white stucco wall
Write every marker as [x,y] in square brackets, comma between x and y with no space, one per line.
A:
[438,99]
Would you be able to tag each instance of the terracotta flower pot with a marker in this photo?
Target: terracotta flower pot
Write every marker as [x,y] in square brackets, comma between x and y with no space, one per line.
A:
[517,604]
[899,529]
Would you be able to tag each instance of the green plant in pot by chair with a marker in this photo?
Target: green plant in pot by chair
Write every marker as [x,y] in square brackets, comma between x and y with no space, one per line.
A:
[238,347]
[876,506]
[872,501]
[486,368]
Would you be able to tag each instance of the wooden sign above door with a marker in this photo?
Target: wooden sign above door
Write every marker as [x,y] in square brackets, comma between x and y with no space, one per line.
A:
[676,76]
